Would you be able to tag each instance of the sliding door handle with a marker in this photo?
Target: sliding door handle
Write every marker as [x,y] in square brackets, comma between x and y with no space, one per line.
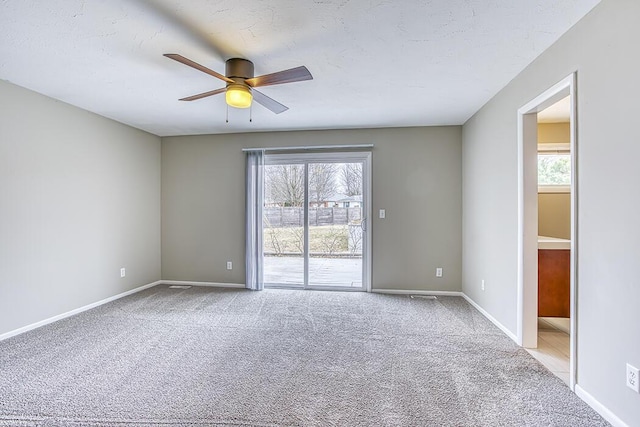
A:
[363,224]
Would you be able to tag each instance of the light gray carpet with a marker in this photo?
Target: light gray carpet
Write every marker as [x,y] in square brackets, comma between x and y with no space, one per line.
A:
[202,356]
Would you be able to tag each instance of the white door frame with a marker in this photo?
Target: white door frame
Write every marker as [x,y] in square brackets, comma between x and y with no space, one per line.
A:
[339,157]
[527,329]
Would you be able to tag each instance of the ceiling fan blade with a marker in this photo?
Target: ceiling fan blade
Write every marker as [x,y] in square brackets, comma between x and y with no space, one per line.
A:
[197,66]
[203,95]
[268,103]
[297,74]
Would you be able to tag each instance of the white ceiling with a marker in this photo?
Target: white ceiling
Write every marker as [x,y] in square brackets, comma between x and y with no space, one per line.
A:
[376,63]
[560,112]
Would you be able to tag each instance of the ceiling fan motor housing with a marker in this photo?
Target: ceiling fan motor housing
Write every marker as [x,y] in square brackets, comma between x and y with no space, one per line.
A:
[239,93]
[239,69]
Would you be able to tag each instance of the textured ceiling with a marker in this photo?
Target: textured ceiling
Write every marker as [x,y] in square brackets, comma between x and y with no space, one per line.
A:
[376,63]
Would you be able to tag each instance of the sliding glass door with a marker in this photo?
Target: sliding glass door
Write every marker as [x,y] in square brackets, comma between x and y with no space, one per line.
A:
[314,221]
[283,224]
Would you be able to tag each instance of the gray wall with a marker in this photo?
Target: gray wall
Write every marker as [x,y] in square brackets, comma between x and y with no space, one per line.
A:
[80,198]
[603,49]
[416,176]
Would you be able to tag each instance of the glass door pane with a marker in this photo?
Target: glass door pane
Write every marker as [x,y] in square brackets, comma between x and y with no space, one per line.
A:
[314,225]
[335,224]
[283,225]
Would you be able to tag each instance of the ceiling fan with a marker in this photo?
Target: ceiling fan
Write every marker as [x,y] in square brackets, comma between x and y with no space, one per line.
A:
[241,84]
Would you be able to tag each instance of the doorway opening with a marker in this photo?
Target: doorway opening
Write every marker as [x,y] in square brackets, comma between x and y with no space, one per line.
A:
[547,228]
[315,233]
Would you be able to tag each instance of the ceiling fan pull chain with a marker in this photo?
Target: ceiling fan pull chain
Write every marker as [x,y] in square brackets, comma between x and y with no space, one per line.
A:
[251,113]
[227,113]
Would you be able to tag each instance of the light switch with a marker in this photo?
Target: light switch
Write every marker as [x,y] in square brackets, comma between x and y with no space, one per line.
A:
[383,214]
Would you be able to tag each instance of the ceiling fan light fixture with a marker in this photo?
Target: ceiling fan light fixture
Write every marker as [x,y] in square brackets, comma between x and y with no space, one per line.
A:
[238,96]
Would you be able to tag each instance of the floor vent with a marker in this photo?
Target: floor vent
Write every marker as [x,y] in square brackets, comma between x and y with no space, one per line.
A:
[179,287]
[424,296]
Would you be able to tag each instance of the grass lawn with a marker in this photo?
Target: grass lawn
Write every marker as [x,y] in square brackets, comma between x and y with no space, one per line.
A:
[326,239]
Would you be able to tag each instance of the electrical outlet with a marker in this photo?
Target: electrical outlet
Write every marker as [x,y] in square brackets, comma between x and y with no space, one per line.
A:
[439,272]
[123,272]
[229,265]
[483,284]
[633,382]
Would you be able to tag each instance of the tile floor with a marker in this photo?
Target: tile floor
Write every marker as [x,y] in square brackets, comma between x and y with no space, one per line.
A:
[553,349]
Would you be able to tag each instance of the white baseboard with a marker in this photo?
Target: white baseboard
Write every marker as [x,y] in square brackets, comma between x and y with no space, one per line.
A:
[491,318]
[410,292]
[210,284]
[73,312]
[600,408]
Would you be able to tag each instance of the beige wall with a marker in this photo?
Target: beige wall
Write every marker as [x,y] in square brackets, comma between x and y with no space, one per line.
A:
[599,48]
[416,175]
[554,215]
[80,198]
[554,132]
[554,209]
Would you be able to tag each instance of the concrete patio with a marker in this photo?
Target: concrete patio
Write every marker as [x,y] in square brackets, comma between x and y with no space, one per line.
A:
[334,272]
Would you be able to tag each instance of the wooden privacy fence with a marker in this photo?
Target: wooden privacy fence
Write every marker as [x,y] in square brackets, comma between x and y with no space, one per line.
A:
[294,217]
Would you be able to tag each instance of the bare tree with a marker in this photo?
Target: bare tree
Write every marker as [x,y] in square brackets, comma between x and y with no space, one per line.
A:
[297,233]
[355,239]
[285,184]
[351,178]
[272,244]
[322,181]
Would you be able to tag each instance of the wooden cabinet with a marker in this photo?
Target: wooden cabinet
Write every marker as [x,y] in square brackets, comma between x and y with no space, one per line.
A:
[554,282]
